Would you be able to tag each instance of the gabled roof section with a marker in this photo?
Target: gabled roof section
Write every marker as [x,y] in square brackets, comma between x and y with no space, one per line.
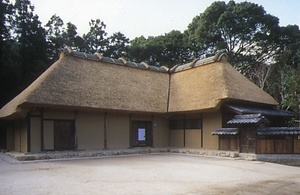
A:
[219,57]
[204,84]
[84,81]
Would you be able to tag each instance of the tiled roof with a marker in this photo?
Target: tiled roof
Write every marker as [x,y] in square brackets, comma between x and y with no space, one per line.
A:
[249,118]
[270,111]
[279,131]
[226,131]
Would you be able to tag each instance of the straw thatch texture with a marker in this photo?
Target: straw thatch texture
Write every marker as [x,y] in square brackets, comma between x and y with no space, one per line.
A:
[85,81]
[81,83]
[205,86]
[12,108]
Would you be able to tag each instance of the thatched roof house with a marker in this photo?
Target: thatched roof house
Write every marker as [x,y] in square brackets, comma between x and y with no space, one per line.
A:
[91,102]
[92,82]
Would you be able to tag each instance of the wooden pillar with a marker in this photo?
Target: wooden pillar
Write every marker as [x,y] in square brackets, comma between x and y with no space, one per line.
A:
[130,132]
[28,120]
[184,128]
[152,130]
[42,130]
[75,131]
[201,115]
[105,130]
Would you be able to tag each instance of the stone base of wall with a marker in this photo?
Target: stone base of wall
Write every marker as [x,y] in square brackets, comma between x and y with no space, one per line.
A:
[292,159]
[287,159]
[55,155]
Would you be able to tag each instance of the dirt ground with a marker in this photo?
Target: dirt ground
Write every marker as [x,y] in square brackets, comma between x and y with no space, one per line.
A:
[149,174]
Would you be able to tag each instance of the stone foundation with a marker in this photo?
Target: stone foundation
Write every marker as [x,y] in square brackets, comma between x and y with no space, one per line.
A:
[51,155]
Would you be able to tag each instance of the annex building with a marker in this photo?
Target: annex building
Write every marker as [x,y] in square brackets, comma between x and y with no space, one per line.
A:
[91,102]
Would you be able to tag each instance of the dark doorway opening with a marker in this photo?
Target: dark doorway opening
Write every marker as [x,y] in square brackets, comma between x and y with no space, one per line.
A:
[142,134]
[3,138]
[64,135]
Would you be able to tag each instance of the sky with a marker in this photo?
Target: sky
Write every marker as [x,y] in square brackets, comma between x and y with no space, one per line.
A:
[135,18]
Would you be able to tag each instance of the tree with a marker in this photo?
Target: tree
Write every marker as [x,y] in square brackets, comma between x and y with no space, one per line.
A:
[244,30]
[137,49]
[164,50]
[31,41]
[118,46]
[7,54]
[95,39]
[72,39]
[284,80]
[174,49]
[55,36]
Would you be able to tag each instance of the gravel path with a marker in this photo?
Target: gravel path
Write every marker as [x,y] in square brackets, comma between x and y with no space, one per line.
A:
[149,174]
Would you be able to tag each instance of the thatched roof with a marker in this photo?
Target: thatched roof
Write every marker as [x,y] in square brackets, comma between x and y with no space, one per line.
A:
[85,81]
[203,86]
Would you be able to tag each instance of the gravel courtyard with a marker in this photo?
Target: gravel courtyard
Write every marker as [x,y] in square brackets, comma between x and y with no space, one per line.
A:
[149,174]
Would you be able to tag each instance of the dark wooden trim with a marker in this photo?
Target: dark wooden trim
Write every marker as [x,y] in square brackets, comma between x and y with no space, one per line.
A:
[75,130]
[201,115]
[57,119]
[28,120]
[256,137]
[240,138]
[130,131]
[184,130]
[20,136]
[42,130]
[35,116]
[293,142]
[105,130]
[152,130]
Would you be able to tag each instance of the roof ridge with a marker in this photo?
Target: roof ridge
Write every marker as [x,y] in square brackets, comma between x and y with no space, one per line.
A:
[220,56]
[120,61]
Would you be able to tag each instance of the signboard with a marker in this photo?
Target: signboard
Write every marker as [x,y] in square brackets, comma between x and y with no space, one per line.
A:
[141,134]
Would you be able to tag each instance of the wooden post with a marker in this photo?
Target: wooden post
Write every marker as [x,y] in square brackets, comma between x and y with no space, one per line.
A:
[105,130]
[130,132]
[28,132]
[152,130]
[75,130]
[42,130]
[201,115]
[184,127]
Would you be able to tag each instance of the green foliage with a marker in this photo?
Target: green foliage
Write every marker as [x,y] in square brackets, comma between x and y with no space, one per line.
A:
[243,30]
[165,50]
[118,46]
[31,43]
[55,36]
[291,89]
[95,39]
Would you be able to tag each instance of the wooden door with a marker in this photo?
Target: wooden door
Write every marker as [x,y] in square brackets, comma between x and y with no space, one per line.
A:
[142,133]
[248,140]
[64,135]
